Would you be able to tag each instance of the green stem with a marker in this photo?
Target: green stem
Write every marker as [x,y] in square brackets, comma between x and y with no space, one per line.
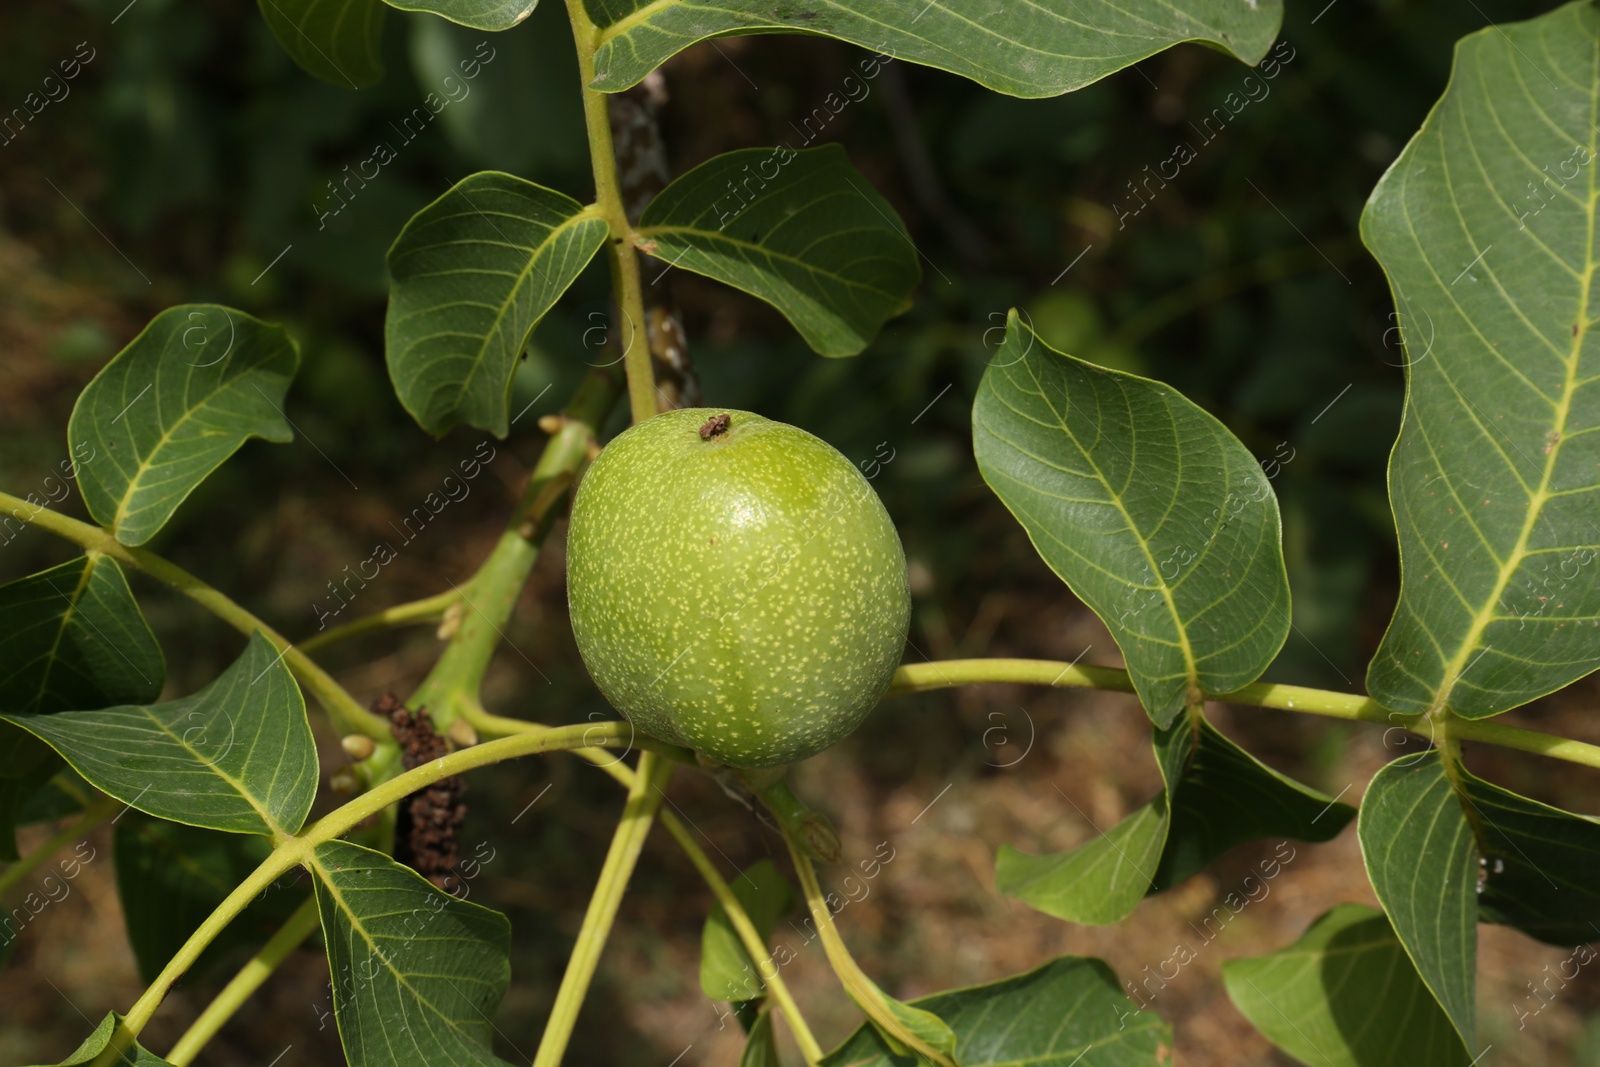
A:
[495,724]
[298,849]
[608,198]
[284,857]
[489,598]
[428,609]
[348,716]
[288,938]
[944,674]
[863,990]
[93,816]
[644,801]
[748,935]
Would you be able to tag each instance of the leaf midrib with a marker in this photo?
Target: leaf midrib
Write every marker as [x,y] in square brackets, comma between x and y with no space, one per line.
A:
[1191,666]
[480,357]
[145,465]
[1541,495]
[273,826]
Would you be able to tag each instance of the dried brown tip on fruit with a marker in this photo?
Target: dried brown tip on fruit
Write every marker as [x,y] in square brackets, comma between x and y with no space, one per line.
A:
[715,426]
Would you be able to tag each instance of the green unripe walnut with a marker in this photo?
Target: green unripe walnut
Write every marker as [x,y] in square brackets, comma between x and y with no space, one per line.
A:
[735,586]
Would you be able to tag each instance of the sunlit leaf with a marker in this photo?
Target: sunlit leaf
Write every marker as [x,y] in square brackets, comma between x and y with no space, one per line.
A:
[1178,550]
[726,970]
[237,756]
[1021,49]
[71,637]
[1486,226]
[338,41]
[1098,882]
[1217,796]
[1071,1012]
[471,276]
[416,973]
[171,407]
[1423,865]
[1345,995]
[803,231]
[479,14]
[111,1034]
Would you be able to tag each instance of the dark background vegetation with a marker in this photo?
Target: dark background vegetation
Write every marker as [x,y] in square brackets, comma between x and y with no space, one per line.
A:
[191,152]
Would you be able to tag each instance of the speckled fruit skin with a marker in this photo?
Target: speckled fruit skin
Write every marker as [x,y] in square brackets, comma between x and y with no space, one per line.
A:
[743,595]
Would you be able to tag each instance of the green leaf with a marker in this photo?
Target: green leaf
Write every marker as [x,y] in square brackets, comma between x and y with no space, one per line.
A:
[237,755]
[338,41]
[801,230]
[471,276]
[1217,796]
[1422,863]
[1224,797]
[171,407]
[1178,552]
[1486,226]
[761,1047]
[479,14]
[417,973]
[111,1033]
[1099,882]
[71,637]
[1069,1013]
[726,970]
[1539,865]
[1345,995]
[1020,49]
[171,876]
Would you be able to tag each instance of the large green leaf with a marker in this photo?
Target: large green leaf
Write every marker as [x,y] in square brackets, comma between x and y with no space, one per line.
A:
[471,275]
[726,970]
[1539,865]
[112,1034]
[1345,995]
[801,230]
[171,407]
[417,973]
[479,14]
[1486,227]
[1158,518]
[71,637]
[1217,796]
[335,40]
[1021,49]
[1069,1013]
[171,876]
[238,755]
[1098,882]
[1423,865]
